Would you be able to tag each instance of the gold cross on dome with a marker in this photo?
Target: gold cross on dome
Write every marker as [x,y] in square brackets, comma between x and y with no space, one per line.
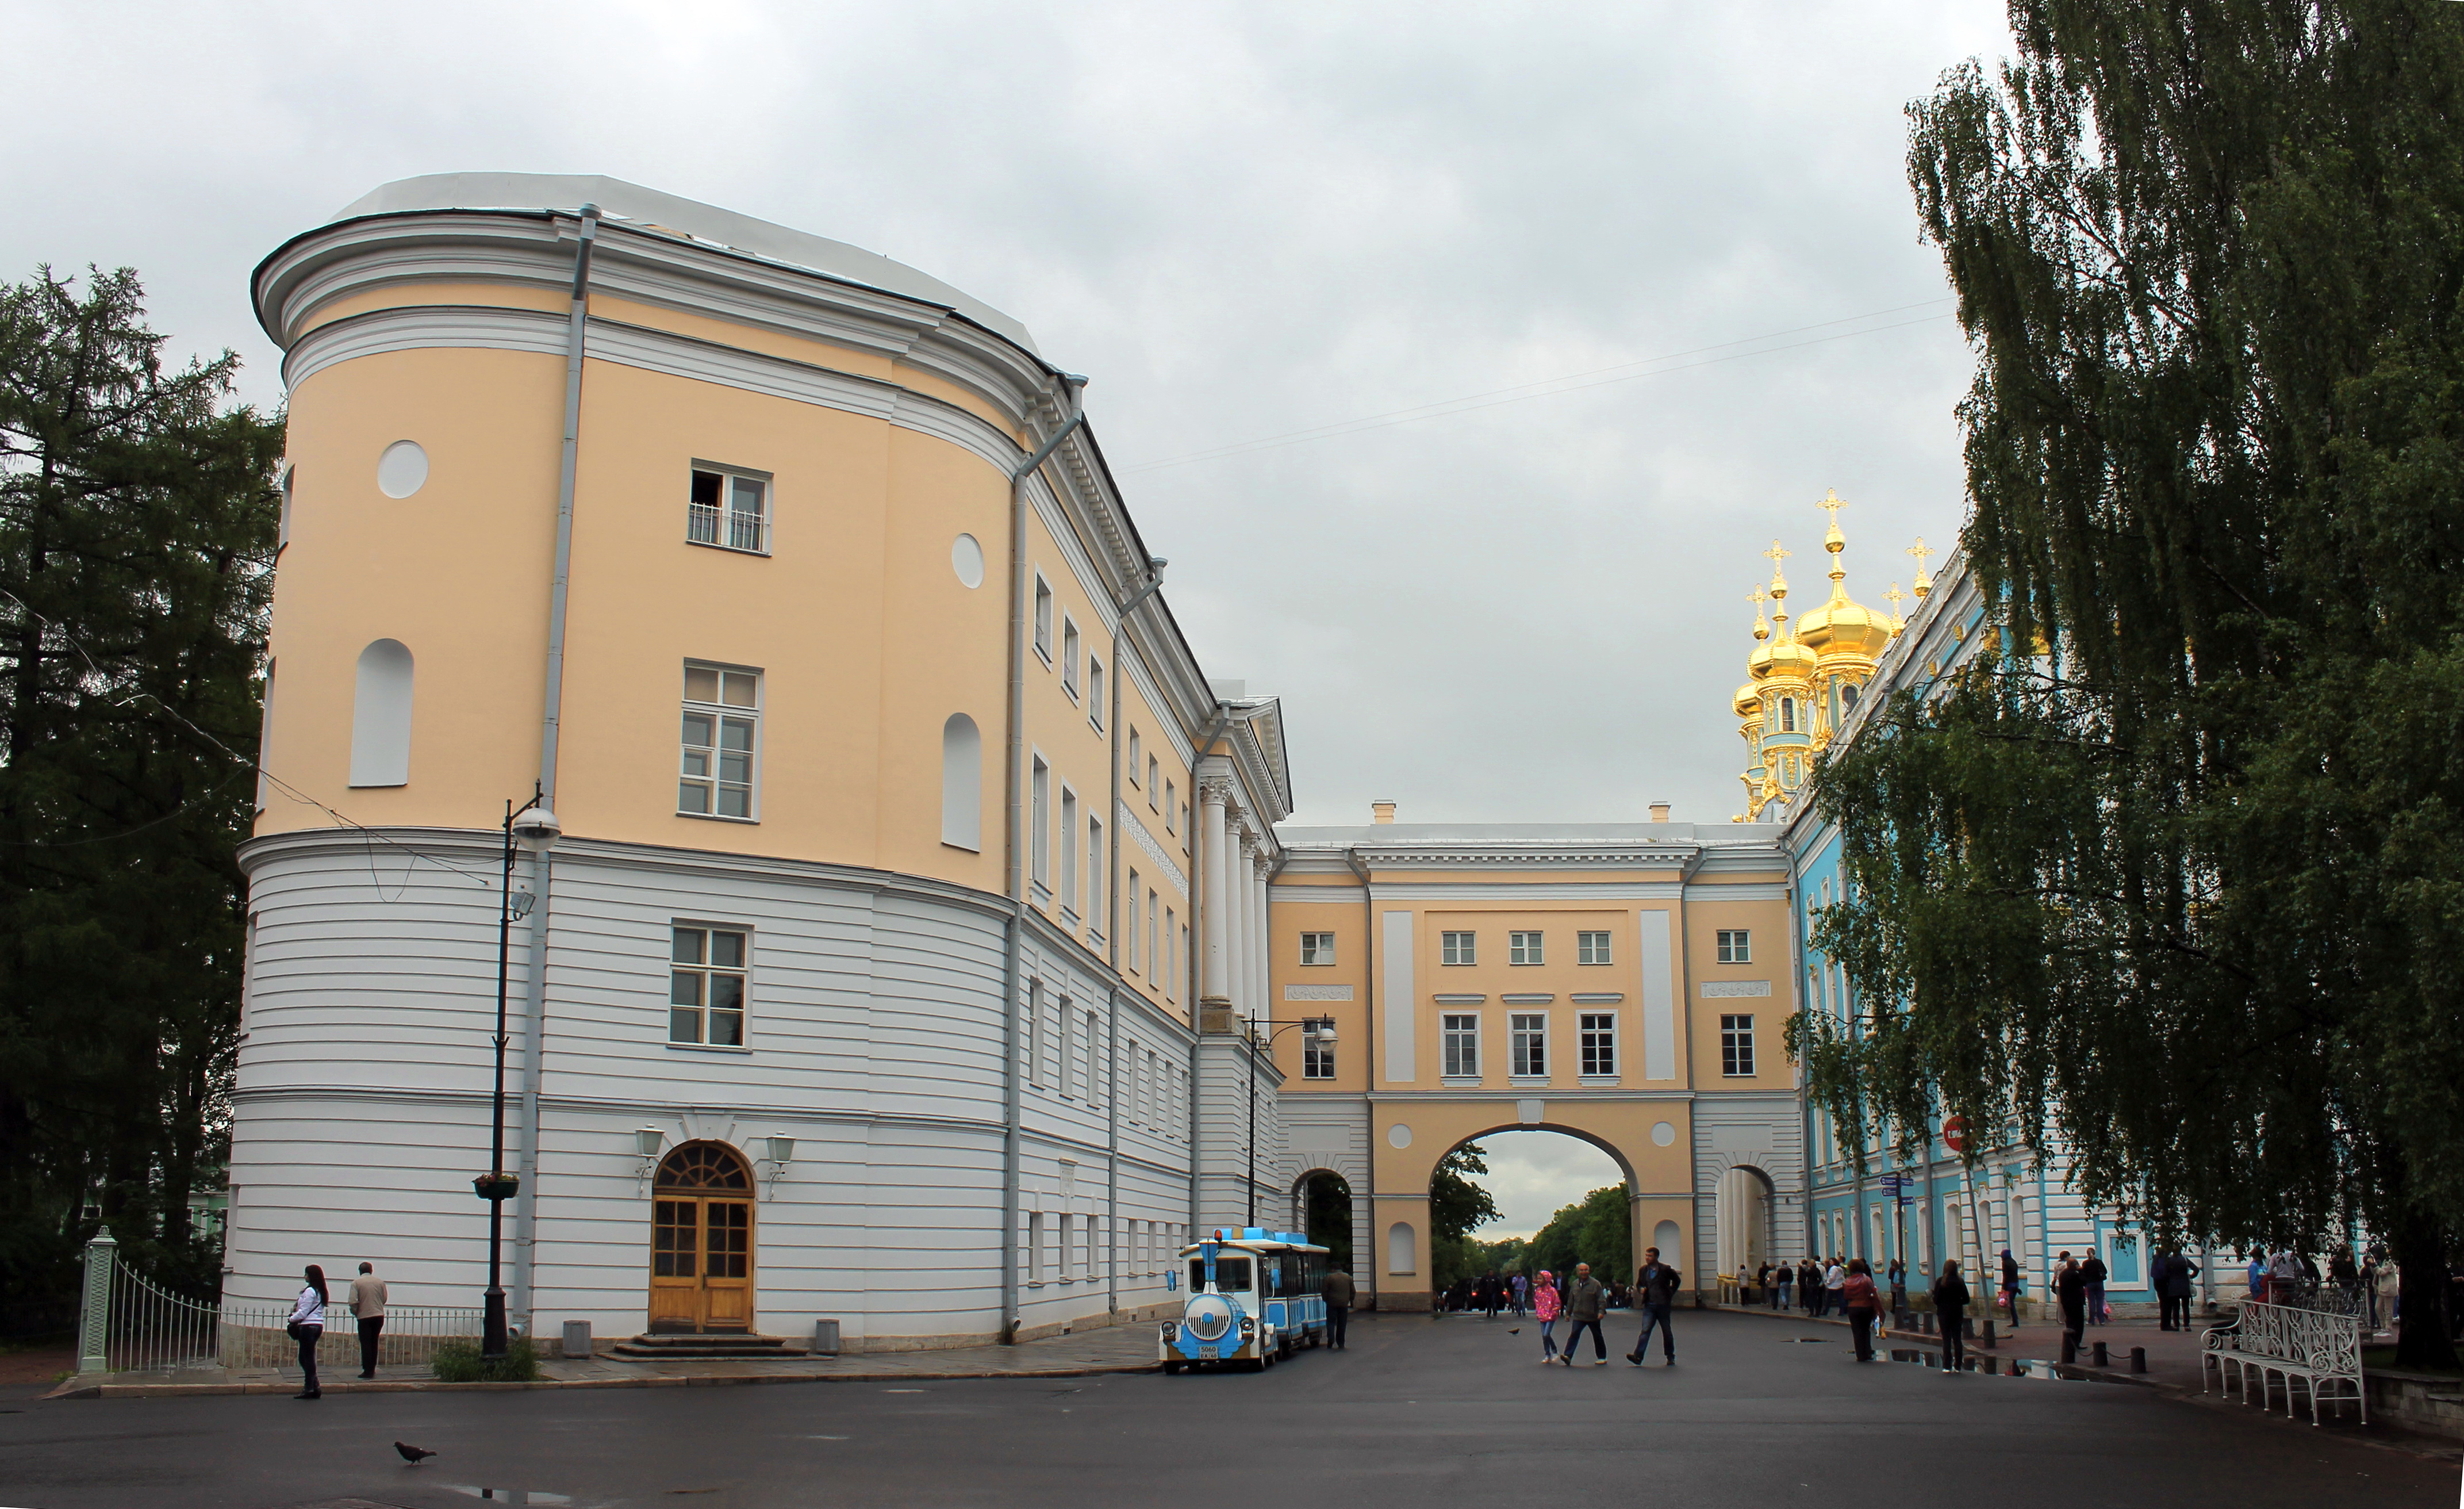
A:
[1893,597]
[1756,597]
[1833,502]
[1776,555]
[1922,554]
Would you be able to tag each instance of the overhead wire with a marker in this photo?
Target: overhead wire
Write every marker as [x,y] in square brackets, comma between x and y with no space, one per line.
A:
[1550,387]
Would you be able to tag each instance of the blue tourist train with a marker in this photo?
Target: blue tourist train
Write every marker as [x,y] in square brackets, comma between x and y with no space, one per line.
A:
[1255,1298]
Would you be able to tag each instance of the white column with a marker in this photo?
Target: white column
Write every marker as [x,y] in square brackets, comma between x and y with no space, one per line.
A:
[1236,921]
[1215,838]
[1262,946]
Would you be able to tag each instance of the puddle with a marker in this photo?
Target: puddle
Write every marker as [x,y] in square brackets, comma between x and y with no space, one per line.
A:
[511,1495]
[1805,1341]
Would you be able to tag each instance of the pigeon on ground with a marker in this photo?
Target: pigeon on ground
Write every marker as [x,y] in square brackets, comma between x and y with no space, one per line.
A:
[413,1453]
[1514,1330]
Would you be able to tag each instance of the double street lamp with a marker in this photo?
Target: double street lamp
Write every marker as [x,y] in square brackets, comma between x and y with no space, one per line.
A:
[1318,1030]
[534,829]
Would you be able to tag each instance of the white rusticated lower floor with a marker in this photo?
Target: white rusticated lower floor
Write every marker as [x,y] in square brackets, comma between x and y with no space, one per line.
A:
[876,1038]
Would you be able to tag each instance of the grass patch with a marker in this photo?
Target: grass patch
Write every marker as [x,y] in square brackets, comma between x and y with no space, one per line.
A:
[460,1363]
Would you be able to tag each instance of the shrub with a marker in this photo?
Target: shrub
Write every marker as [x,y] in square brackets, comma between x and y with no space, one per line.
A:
[458,1362]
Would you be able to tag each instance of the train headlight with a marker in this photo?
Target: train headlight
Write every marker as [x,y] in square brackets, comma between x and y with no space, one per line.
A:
[1248,1327]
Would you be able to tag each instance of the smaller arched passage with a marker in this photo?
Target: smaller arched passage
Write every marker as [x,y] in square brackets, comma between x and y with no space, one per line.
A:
[1744,1221]
[1321,1203]
[701,1241]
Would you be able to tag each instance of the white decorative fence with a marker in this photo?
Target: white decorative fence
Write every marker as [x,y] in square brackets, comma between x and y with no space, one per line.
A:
[127,1323]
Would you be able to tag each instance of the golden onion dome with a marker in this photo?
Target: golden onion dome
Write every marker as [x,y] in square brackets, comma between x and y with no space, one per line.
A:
[1790,661]
[1749,700]
[1842,626]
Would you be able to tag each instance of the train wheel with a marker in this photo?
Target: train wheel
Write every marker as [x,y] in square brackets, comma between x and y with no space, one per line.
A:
[1170,1368]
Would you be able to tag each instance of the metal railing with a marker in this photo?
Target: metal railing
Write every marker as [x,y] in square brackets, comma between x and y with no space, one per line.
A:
[707,523]
[128,1324]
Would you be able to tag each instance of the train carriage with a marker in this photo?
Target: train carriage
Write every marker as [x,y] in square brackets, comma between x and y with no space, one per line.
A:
[1255,1298]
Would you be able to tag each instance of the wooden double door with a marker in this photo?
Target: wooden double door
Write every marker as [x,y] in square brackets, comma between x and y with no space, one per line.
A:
[701,1241]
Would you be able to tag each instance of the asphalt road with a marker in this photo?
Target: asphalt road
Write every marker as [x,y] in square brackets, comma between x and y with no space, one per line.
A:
[1417,1412]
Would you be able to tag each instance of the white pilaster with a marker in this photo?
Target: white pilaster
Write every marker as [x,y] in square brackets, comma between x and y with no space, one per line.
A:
[1215,838]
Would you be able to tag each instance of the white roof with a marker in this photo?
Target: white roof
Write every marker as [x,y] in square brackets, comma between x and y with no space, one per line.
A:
[618,200]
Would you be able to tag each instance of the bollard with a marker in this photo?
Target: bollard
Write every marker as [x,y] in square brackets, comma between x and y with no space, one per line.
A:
[2101,1359]
[2139,1358]
[2070,1347]
[1926,1320]
[1988,1339]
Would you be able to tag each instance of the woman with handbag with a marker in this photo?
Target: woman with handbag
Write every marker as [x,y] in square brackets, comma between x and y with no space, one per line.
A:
[307,1327]
[1864,1306]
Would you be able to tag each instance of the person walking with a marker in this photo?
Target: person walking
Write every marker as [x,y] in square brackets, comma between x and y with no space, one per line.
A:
[1808,1285]
[2070,1288]
[2012,1285]
[2257,1273]
[307,1327]
[2179,1272]
[1522,1294]
[1339,1294]
[1863,1303]
[1586,1301]
[1785,1277]
[2093,1272]
[2284,1276]
[1951,1299]
[1654,1294]
[367,1307]
[2160,1278]
[1834,1287]
[1899,1275]
[1546,1303]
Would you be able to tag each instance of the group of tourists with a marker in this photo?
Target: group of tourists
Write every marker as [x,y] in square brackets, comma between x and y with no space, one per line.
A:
[307,1323]
[2370,1287]
[1582,1302]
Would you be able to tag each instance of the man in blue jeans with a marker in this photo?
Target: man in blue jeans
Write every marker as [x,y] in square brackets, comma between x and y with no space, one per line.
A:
[1655,1291]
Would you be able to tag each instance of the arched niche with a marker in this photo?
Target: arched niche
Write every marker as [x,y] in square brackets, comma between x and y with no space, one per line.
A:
[381,715]
[962,783]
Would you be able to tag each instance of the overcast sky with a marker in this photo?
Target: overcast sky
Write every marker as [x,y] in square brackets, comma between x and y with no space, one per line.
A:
[1688,224]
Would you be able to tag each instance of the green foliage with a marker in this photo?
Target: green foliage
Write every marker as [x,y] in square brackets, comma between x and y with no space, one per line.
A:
[2181,894]
[458,1362]
[1598,1232]
[1456,1206]
[137,525]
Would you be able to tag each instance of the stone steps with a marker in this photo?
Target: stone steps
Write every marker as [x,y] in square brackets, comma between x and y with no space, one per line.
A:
[671,1348]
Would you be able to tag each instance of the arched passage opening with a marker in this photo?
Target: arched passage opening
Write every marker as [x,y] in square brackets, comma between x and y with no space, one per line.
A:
[1323,1199]
[1744,1219]
[1513,1201]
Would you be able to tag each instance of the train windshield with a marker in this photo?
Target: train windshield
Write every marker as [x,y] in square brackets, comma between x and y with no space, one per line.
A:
[1230,1273]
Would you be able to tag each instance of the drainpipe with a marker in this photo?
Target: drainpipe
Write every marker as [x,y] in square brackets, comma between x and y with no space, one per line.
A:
[1113,818]
[1366,1225]
[552,713]
[1113,1151]
[1013,876]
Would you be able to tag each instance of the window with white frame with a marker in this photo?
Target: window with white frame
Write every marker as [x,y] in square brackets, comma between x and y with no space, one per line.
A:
[1129,927]
[1035,1247]
[706,979]
[1042,618]
[1096,693]
[1152,766]
[1099,1084]
[1457,948]
[1736,946]
[1317,948]
[1070,852]
[1039,844]
[1317,1059]
[1155,959]
[1170,796]
[1065,1077]
[1070,655]
[1460,1035]
[1172,981]
[1737,1046]
[1095,917]
[1591,948]
[1523,948]
[728,509]
[1134,755]
[1528,1044]
[1597,1037]
[722,735]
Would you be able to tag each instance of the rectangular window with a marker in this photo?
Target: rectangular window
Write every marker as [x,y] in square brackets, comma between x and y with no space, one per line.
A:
[1598,1032]
[1456,948]
[706,987]
[1042,618]
[1736,946]
[1523,948]
[1096,693]
[1039,843]
[1061,1249]
[728,509]
[1066,1071]
[1134,757]
[1737,1046]
[1035,1247]
[1590,948]
[1317,948]
[1317,1059]
[1096,892]
[1035,1033]
[1169,797]
[1172,981]
[1529,1044]
[1070,655]
[1070,852]
[722,730]
[1095,1085]
[1153,901]
[1130,928]
[1152,787]
[1462,1034]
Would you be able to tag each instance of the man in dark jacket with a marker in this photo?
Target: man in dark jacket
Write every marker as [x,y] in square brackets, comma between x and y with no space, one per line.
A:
[1338,1305]
[1586,1300]
[1655,1291]
[1951,1299]
[2070,1287]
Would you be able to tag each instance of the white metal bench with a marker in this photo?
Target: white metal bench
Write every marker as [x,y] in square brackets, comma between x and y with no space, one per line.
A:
[2320,1347]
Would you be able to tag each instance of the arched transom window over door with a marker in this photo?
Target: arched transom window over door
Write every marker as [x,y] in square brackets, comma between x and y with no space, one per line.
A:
[701,1241]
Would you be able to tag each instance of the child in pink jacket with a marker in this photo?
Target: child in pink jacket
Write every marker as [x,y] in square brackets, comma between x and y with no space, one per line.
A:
[1545,1303]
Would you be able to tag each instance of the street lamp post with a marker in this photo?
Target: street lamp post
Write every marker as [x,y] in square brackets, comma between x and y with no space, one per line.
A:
[1312,1029]
[534,828]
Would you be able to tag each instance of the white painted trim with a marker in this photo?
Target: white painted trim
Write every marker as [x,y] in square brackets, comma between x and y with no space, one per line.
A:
[1398,1017]
[1658,998]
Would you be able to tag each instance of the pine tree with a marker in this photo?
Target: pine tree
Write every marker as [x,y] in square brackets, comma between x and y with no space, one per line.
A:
[137,525]
[2175,884]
